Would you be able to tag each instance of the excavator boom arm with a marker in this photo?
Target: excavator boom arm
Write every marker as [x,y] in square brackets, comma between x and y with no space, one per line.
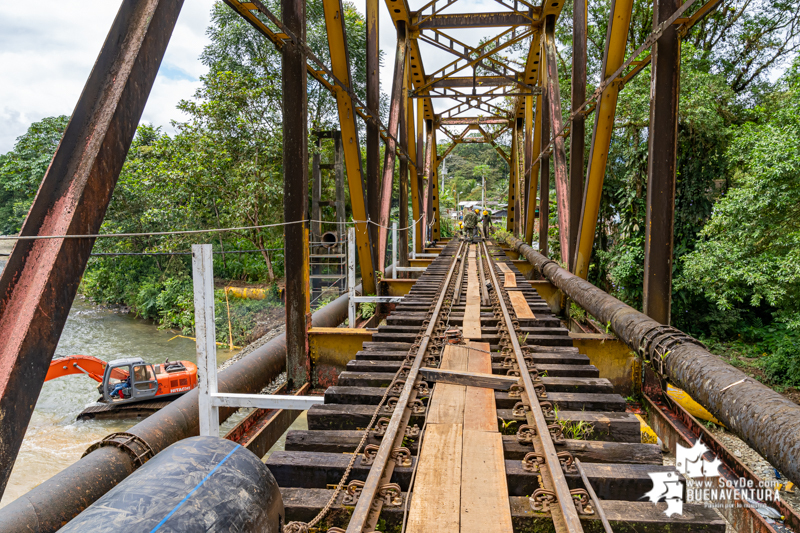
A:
[81,364]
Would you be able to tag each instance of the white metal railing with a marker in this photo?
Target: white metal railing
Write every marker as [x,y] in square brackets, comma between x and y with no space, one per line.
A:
[210,399]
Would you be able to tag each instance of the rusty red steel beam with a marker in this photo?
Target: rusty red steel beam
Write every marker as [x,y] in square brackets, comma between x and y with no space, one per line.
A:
[763,418]
[41,278]
[662,166]
[478,20]
[559,148]
[389,153]
[577,140]
[262,428]
[373,146]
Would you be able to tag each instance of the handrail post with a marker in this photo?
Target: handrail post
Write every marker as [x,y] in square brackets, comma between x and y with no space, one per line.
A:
[351,277]
[394,250]
[203,280]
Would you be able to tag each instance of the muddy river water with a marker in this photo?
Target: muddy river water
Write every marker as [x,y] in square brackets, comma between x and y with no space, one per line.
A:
[55,439]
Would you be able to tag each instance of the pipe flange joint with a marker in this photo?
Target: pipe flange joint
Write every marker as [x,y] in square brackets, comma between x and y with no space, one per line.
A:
[135,446]
[659,341]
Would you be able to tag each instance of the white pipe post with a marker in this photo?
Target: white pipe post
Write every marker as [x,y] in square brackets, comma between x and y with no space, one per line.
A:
[203,279]
[394,250]
[351,277]
[414,240]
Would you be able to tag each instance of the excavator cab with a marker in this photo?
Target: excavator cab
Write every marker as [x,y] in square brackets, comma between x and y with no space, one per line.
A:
[130,380]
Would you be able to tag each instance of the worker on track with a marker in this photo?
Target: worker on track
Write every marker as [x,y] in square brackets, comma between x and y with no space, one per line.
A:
[487,223]
[470,224]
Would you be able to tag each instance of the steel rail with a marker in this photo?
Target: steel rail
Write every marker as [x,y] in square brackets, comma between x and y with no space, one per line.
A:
[558,481]
[363,507]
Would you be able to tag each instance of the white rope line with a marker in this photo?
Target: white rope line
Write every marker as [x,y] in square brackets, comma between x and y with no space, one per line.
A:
[189,232]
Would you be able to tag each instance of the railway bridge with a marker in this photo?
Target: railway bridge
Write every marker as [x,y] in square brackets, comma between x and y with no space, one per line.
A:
[473,406]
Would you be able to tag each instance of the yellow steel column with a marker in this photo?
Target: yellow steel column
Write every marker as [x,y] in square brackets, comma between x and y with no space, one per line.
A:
[513,169]
[334,23]
[616,43]
[536,147]
[436,228]
[414,174]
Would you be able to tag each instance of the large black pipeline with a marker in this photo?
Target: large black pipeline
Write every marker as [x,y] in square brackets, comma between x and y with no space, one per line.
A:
[55,502]
[764,419]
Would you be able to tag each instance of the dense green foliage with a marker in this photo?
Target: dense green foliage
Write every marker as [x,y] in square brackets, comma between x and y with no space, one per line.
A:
[22,169]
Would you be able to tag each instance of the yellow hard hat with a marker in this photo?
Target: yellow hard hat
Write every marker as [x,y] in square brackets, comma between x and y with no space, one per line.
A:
[485,212]
[477,210]
[460,224]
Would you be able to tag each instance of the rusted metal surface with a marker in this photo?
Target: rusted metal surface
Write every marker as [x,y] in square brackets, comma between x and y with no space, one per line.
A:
[559,150]
[373,184]
[262,428]
[56,501]
[673,424]
[577,133]
[404,189]
[544,179]
[41,277]
[767,421]
[389,153]
[565,516]
[295,196]
[476,20]
[662,166]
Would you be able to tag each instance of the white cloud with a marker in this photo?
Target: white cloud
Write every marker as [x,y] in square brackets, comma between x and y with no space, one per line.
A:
[48,53]
[46,65]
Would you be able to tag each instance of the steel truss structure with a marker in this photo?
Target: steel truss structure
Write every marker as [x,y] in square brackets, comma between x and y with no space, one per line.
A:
[479,90]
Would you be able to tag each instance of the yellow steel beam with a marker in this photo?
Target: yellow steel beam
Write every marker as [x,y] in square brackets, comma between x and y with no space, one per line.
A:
[414,178]
[533,170]
[399,10]
[436,228]
[616,44]
[513,168]
[334,22]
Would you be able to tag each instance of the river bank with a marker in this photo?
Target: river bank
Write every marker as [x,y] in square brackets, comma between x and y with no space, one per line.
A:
[55,439]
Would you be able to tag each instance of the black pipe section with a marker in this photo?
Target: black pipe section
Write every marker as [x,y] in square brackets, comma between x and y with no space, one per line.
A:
[55,502]
[764,419]
[197,484]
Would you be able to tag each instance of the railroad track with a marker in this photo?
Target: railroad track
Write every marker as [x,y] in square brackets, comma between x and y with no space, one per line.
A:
[493,431]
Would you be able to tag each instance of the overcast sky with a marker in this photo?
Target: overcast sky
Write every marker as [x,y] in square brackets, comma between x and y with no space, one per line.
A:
[47,54]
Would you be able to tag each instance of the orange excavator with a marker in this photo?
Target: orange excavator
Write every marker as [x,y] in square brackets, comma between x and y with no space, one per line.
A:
[129,380]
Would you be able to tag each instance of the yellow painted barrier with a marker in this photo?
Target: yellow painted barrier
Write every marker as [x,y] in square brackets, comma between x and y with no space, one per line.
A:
[695,409]
[648,435]
[249,293]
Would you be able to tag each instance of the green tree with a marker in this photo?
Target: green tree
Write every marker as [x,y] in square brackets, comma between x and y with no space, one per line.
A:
[22,170]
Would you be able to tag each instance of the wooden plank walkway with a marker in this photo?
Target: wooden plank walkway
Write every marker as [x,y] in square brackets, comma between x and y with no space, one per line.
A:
[472,312]
[461,476]
[521,307]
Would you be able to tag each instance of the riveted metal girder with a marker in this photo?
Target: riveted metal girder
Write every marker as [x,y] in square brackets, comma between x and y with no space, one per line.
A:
[469,81]
[414,177]
[295,196]
[477,20]
[334,23]
[41,278]
[559,149]
[511,216]
[662,167]
[399,11]
[532,171]
[616,42]
[577,140]
[389,154]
